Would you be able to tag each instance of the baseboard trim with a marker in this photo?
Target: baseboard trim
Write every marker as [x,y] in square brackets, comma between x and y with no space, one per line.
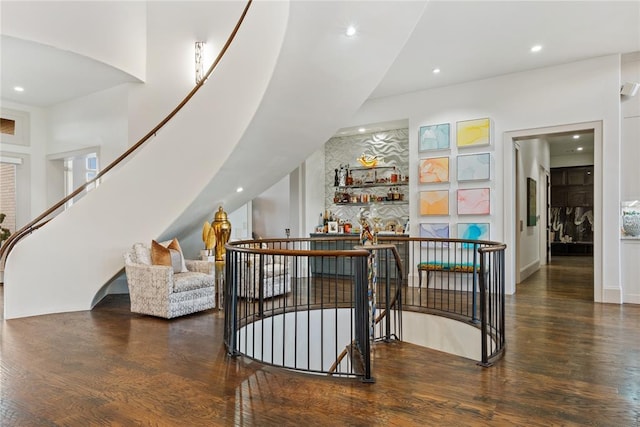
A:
[612,295]
[631,299]
[529,270]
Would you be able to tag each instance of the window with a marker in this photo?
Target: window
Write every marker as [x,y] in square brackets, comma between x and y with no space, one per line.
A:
[78,170]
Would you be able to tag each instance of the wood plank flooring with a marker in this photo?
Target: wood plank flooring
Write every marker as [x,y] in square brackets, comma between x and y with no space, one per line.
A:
[569,362]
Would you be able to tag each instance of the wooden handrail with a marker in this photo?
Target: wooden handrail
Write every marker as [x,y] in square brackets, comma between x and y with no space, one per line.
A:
[34,224]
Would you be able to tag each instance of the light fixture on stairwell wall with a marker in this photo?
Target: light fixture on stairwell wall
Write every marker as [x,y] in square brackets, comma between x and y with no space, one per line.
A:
[199,58]
[629,88]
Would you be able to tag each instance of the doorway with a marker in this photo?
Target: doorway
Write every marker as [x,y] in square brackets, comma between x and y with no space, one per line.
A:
[531,162]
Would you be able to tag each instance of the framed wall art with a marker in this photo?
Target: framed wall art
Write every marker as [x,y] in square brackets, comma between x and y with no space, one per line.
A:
[434,170]
[531,202]
[434,137]
[474,167]
[474,201]
[473,231]
[434,202]
[473,133]
[434,231]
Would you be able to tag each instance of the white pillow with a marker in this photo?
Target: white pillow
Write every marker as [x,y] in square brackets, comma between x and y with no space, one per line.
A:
[143,254]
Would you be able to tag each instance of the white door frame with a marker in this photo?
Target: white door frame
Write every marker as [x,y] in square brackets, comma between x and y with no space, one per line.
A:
[543,221]
[510,194]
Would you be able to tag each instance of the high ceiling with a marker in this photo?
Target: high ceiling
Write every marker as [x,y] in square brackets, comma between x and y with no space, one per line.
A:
[472,40]
[466,40]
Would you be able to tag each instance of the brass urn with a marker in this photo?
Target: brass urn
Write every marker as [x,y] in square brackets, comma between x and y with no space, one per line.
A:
[222,229]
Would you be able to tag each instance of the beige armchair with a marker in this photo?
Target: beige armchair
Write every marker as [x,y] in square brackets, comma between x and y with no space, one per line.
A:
[159,291]
[273,280]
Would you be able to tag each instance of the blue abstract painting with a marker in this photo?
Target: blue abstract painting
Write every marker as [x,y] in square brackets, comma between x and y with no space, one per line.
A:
[473,231]
[433,137]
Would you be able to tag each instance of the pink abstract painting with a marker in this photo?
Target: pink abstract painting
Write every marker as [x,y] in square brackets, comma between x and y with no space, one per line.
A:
[474,201]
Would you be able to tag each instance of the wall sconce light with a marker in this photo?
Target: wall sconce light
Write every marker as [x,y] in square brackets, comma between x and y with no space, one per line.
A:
[199,61]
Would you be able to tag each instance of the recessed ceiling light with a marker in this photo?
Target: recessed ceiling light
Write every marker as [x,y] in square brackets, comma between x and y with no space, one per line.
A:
[436,71]
[579,148]
[361,130]
[576,136]
[351,31]
[18,89]
[239,190]
[536,48]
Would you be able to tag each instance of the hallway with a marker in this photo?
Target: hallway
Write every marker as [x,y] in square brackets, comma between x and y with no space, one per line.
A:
[568,362]
[569,277]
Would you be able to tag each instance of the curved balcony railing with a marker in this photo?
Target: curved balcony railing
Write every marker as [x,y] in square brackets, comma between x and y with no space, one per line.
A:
[50,213]
[311,304]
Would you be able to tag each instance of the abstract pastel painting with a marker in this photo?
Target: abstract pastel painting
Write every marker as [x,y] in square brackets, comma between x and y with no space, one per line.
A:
[435,169]
[433,137]
[434,202]
[472,133]
[434,231]
[474,201]
[473,231]
[474,167]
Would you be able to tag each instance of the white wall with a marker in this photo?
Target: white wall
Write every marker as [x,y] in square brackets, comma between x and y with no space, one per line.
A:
[314,190]
[271,211]
[534,154]
[630,152]
[577,159]
[630,183]
[573,93]
[32,179]
[169,81]
[96,120]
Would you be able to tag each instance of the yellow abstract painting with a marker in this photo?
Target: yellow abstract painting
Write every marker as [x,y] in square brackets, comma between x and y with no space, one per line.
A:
[472,133]
[434,202]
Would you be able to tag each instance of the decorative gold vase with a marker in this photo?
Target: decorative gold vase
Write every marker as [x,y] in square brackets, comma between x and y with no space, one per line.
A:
[222,229]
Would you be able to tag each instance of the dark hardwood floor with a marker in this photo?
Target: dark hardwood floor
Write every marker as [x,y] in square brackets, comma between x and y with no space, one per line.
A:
[569,362]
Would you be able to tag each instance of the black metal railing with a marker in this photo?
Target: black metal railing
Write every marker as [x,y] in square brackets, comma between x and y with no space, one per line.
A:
[315,304]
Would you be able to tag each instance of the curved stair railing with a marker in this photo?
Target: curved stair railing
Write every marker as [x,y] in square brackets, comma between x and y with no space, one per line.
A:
[394,303]
[302,304]
[43,218]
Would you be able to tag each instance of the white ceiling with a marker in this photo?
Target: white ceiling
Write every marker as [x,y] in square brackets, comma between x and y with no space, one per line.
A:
[566,143]
[472,40]
[467,40]
[50,76]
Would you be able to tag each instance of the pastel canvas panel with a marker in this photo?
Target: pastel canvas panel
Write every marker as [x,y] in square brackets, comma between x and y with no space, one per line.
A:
[472,133]
[434,202]
[435,169]
[473,231]
[434,230]
[434,137]
[474,201]
[474,167]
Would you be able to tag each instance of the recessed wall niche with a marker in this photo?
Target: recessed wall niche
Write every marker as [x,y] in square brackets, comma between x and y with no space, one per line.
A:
[391,148]
[15,127]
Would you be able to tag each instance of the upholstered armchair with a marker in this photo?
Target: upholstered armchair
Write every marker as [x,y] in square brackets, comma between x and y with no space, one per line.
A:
[165,291]
[267,273]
